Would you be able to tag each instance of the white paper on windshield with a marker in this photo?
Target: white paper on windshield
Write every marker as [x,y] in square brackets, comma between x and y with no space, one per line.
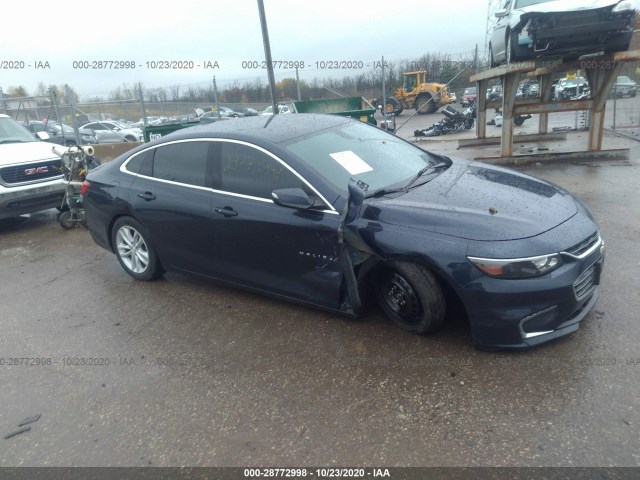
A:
[351,162]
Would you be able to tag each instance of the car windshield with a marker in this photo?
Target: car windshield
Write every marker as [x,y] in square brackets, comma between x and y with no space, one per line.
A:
[528,3]
[361,152]
[470,91]
[12,132]
[120,125]
[623,79]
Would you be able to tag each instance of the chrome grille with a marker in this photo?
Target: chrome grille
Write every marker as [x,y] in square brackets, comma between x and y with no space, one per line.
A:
[31,172]
[585,245]
[585,282]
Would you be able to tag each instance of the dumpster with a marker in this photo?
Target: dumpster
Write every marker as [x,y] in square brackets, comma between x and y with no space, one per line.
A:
[153,132]
[355,107]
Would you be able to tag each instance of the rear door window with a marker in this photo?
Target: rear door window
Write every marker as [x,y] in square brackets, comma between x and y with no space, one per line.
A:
[182,162]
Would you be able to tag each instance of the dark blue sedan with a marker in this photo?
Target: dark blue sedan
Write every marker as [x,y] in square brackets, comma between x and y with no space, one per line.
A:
[332,212]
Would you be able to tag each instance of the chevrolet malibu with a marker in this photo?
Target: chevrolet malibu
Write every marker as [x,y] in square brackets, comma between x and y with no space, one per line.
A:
[334,213]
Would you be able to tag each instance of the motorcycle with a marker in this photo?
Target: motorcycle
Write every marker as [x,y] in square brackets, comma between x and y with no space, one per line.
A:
[454,121]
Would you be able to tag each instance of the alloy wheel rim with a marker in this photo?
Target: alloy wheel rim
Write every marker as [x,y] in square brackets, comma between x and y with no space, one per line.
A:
[132,249]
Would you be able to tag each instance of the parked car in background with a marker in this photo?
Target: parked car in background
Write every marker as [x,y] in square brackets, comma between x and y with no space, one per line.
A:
[494,93]
[469,95]
[281,109]
[113,131]
[247,111]
[528,29]
[624,86]
[30,173]
[209,117]
[228,112]
[330,211]
[62,134]
[570,88]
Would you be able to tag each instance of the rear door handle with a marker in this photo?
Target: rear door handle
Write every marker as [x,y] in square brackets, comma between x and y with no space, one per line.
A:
[226,211]
[148,196]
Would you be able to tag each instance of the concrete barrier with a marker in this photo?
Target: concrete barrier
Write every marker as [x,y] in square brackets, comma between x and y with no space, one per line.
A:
[108,151]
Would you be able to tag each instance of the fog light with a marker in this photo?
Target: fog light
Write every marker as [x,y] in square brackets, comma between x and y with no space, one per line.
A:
[539,323]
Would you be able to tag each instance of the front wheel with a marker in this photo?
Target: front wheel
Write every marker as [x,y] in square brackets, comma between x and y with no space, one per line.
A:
[135,254]
[425,104]
[410,295]
[393,106]
[65,219]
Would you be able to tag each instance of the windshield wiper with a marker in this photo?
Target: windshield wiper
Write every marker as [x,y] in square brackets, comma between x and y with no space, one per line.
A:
[423,171]
[387,191]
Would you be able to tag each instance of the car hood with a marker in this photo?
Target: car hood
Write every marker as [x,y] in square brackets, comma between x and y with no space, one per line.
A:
[478,201]
[28,152]
[567,6]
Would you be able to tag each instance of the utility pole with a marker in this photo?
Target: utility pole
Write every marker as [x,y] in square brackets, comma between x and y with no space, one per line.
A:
[142,107]
[475,60]
[215,96]
[267,56]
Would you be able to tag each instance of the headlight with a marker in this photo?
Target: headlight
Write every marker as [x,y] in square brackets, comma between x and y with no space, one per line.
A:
[517,267]
[623,6]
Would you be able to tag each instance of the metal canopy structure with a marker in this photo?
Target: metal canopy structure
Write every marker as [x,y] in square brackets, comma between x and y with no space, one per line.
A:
[601,72]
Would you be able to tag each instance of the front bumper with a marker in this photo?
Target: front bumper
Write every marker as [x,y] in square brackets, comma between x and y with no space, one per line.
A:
[572,33]
[520,314]
[30,198]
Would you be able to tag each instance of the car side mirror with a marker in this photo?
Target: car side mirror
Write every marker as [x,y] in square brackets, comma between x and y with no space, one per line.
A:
[292,198]
[44,136]
[501,13]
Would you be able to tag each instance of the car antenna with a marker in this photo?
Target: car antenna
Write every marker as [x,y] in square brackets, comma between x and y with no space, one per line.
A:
[271,117]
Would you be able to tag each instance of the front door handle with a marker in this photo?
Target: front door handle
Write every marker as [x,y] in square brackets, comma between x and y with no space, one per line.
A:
[148,196]
[226,211]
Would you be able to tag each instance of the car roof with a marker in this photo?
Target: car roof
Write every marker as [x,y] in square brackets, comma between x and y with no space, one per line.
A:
[272,128]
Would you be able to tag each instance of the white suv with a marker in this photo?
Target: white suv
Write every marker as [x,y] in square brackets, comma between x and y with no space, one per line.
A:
[30,173]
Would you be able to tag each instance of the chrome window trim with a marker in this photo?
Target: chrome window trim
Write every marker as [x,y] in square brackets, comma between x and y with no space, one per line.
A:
[123,169]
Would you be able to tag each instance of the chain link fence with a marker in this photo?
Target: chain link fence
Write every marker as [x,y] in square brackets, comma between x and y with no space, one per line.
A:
[249,93]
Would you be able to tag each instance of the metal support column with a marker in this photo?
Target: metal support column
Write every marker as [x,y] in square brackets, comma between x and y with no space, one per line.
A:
[600,83]
[481,111]
[545,97]
[509,91]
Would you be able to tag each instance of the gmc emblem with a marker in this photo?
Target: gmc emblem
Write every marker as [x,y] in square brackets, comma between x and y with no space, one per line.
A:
[35,171]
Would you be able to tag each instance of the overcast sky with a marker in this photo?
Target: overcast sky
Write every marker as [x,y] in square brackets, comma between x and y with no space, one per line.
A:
[224,31]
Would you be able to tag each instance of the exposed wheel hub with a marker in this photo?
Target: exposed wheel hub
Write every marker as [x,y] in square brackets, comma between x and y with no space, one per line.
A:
[401,297]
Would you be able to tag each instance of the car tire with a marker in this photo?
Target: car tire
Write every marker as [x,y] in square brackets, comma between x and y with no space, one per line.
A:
[131,245]
[410,295]
[508,49]
[492,62]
